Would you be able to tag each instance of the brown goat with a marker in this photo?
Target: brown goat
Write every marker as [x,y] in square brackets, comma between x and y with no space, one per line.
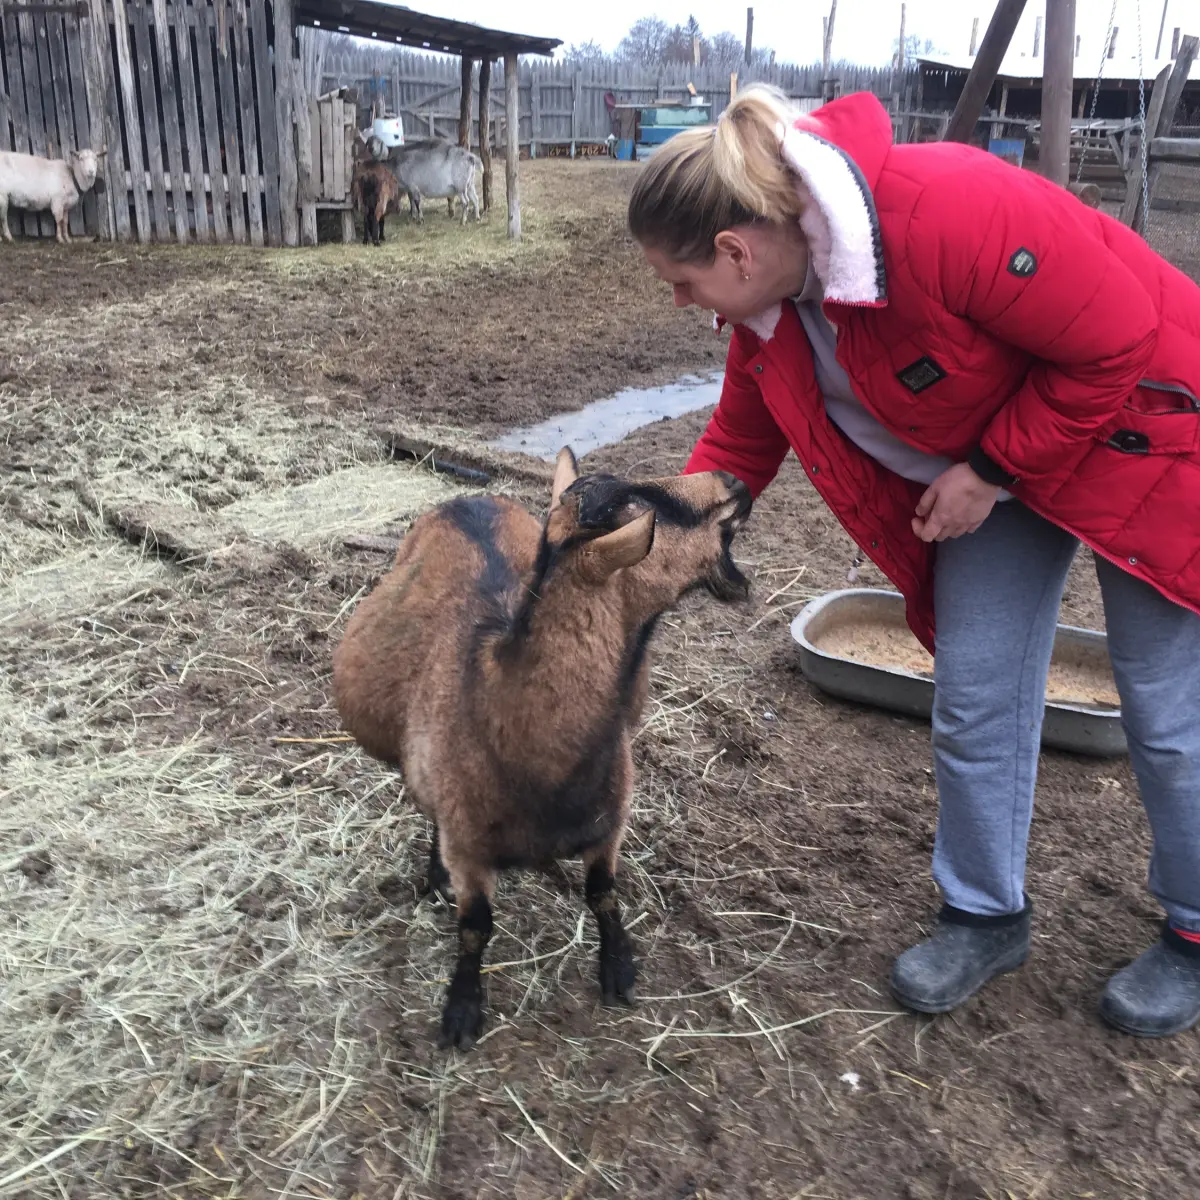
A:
[373,188]
[502,665]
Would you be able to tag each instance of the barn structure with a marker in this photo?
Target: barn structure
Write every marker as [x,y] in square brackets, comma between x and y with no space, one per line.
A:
[211,132]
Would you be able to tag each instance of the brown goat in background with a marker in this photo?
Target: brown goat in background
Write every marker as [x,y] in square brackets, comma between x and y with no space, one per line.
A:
[373,189]
[501,664]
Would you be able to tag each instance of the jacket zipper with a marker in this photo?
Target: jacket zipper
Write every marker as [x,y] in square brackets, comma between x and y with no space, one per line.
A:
[1174,389]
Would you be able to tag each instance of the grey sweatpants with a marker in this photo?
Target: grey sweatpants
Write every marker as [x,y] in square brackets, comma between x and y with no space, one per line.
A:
[997,596]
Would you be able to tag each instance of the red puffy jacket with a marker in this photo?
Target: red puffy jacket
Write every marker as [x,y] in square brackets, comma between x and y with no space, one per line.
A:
[978,308]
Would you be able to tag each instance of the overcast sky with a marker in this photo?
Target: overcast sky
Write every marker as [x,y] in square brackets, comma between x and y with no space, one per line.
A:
[864,31]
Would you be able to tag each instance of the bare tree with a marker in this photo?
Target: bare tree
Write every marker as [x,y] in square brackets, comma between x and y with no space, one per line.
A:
[645,42]
[583,53]
[726,51]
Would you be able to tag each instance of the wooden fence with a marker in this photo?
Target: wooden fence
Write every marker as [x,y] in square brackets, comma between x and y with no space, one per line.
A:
[183,92]
[559,103]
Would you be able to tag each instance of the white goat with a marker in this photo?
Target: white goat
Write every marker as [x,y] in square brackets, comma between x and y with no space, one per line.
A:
[36,183]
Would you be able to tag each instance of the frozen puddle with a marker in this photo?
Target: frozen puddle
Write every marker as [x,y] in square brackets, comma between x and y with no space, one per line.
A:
[606,421]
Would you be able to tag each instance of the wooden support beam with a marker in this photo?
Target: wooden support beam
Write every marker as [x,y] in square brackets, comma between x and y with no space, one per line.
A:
[983,73]
[485,129]
[512,147]
[464,103]
[1164,100]
[1170,149]
[1058,83]
[749,48]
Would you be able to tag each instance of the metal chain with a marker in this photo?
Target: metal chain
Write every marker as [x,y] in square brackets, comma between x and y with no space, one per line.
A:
[1112,20]
[1145,148]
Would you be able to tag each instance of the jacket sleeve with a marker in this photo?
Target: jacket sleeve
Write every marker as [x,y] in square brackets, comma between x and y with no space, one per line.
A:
[742,437]
[1021,258]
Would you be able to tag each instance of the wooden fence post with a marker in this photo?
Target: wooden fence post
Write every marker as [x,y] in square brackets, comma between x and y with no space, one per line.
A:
[285,120]
[485,129]
[464,103]
[512,143]
[535,113]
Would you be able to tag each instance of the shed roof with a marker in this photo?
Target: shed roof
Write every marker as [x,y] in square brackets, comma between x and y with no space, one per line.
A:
[1019,66]
[407,27]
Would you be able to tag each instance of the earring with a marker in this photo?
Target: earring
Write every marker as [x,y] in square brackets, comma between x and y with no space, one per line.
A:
[745,277]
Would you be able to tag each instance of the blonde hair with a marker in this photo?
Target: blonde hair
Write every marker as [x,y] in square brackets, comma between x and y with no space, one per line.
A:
[707,180]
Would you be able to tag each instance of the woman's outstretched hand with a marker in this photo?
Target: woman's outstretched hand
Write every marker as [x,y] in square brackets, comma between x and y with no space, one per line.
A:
[956,502]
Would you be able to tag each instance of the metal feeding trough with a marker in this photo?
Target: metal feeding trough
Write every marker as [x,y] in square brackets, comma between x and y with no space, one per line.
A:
[1083,728]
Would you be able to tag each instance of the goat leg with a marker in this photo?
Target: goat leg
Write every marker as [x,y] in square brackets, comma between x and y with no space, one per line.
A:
[617,972]
[439,878]
[462,1015]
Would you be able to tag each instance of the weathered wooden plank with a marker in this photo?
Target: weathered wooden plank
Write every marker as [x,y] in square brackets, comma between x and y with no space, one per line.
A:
[267,125]
[284,122]
[85,135]
[50,108]
[206,72]
[535,117]
[227,94]
[1175,149]
[133,122]
[185,74]
[167,92]
[148,90]
[60,86]
[36,224]
[103,104]
[306,184]
[245,87]
[5,106]
[337,110]
[26,223]
[327,192]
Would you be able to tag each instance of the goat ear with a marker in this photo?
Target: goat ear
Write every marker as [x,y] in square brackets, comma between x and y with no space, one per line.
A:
[624,547]
[566,471]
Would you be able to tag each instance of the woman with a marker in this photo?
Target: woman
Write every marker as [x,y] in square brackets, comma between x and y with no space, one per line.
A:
[977,373]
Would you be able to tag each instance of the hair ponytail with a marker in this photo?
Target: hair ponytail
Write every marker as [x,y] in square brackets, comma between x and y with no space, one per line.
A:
[707,180]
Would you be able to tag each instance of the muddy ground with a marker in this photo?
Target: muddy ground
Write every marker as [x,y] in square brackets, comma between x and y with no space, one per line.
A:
[218,976]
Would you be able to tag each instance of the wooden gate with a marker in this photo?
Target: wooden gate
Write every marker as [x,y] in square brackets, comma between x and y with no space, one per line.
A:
[188,95]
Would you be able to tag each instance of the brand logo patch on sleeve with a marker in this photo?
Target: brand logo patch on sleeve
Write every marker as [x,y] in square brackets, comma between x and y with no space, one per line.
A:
[1022,264]
[922,374]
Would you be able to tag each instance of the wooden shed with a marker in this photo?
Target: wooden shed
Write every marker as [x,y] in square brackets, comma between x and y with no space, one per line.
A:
[212,135]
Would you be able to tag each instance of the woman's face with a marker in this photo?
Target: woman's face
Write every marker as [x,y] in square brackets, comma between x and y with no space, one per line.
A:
[753,268]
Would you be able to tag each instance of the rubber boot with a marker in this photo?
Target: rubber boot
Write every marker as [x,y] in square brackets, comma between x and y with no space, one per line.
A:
[966,950]
[1158,994]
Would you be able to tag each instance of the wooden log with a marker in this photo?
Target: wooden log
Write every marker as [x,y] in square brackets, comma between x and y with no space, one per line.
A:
[485,129]
[464,103]
[268,126]
[73,33]
[285,124]
[191,122]
[1088,193]
[103,101]
[305,167]
[148,85]
[227,96]
[984,70]
[219,183]
[512,147]
[245,86]
[133,122]
[1054,155]
[1159,117]
[1175,149]
[170,123]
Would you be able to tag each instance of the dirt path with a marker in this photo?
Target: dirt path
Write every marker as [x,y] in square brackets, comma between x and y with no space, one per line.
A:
[218,978]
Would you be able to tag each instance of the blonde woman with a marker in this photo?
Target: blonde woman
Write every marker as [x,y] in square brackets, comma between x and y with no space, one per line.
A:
[977,373]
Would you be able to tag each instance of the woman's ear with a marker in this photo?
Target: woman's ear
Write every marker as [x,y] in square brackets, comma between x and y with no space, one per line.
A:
[733,245]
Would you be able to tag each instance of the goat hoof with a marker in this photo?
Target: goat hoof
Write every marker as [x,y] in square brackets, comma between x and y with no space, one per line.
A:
[462,1022]
[617,978]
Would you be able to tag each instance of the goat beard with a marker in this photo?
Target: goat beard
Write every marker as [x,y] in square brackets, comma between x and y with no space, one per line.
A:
[725,581]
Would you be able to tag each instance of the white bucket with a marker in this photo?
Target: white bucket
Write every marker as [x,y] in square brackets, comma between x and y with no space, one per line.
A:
[389,130]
